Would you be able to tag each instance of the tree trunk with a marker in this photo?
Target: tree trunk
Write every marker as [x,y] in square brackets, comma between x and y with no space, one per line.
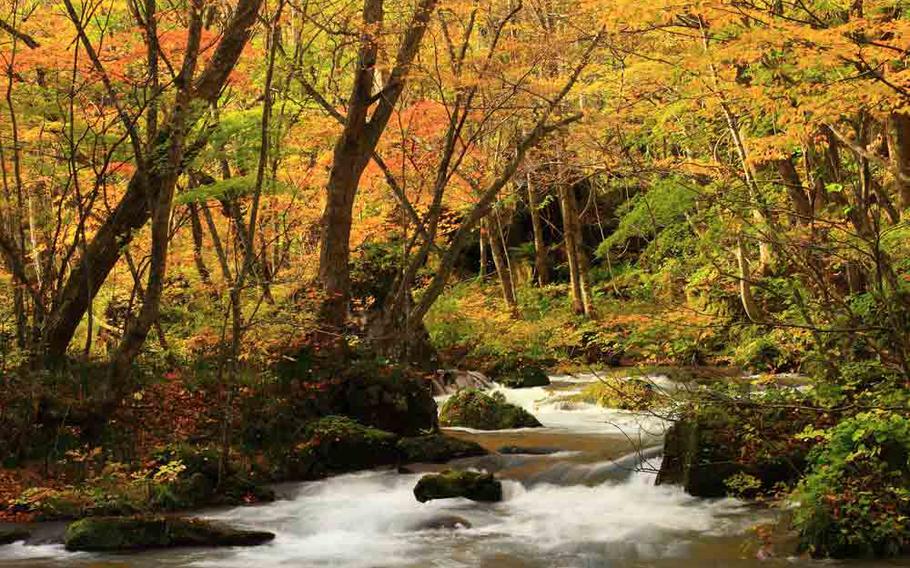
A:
[482,269]
[541,266]
[198,244]
[501,262]
[802,207]
[355,148]
[587,296]
[132,212]
[582,301]
[393,336]
[164,169]
[753,311]
[899,150]
[335,251]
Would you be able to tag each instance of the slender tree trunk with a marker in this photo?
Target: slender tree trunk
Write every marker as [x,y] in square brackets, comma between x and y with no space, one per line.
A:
[501,262]
[571,248]
[753,311]
[760,214]
[541,267]
[482,272]
[587,296]
[165,169]
[198,244]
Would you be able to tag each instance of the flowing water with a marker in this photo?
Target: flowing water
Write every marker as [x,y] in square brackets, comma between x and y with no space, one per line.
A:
[578,493]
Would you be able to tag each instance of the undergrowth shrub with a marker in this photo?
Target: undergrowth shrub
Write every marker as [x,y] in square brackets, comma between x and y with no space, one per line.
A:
[855,499]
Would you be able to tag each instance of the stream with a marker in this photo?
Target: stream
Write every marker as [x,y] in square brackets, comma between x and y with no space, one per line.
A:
[581,495]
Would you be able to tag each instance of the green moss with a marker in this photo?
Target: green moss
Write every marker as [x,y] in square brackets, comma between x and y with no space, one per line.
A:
[337,444]
[437,448]
[453,483]
[627,394]
[140,532]
[473,408]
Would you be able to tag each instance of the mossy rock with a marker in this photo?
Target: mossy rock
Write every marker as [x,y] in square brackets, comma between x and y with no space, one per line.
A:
[702,452]
[625,394]
[395,403]
[11,535]
[472,408]
[517,372]
[112,534]
[454,483]
[525,376]
[437,448]
[338,444]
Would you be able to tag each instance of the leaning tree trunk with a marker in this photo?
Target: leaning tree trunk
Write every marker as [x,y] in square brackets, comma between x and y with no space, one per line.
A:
[802,207]
[198,245]
[500,260]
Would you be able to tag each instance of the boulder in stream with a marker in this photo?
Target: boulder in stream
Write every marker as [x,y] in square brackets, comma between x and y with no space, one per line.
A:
[113,534]
[437,448]
[455,483]
[703,454]
[11,535]
[338,444]
[472,408]
[517,373]
[524,376]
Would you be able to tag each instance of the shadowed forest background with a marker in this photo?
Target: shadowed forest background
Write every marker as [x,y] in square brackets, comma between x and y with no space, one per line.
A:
[247,241]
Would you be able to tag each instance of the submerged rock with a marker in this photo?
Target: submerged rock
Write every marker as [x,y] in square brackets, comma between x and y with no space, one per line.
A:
[11,535]
[338,444]
[448,381]
[530,451]
[437,448]
[453,483]
[109,534]
[472,408]
[450,522]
